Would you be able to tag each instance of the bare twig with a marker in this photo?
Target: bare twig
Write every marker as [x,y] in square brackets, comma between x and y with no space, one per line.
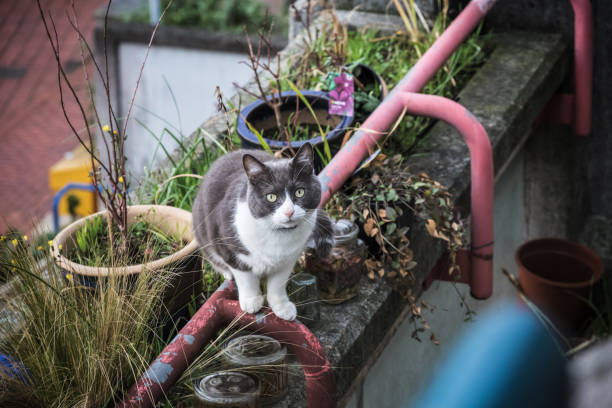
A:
[261,61]
[114,196]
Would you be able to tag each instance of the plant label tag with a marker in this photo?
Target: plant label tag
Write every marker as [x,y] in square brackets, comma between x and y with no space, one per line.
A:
[341,89]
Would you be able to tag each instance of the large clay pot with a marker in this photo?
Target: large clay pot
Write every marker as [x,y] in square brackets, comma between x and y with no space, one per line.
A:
[185,263]
[558,276]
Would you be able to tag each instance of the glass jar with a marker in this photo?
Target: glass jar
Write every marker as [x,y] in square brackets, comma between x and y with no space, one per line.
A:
[302,290]
[338,274]
[226,389]
[264,358]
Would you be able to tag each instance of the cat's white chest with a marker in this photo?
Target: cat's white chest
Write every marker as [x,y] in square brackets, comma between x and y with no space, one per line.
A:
[270,249]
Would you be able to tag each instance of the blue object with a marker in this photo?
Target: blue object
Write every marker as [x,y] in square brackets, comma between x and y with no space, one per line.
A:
[506,360]
[12,368]
[249,139]
[58,196]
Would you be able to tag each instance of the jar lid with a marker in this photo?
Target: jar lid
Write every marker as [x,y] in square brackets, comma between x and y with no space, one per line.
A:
[303,279]
[254,349]
[345,231]
[227,387]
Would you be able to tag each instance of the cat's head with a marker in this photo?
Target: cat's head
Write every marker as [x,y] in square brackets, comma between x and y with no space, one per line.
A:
[283,190]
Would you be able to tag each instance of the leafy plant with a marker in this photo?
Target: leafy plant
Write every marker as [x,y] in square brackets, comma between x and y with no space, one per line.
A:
[383,197]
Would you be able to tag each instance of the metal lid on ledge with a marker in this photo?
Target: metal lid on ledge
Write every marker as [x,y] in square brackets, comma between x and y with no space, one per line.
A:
[227,388]
[253,350]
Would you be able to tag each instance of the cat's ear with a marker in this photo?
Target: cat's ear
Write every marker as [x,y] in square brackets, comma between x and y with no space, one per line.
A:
[304,160]
[253,167]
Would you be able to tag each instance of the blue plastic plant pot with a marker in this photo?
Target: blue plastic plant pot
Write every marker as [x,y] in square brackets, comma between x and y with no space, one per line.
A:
[261,117]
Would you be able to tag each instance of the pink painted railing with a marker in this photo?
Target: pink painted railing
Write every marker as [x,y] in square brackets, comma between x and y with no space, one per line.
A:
[220,309]
[478,267]
[583,65]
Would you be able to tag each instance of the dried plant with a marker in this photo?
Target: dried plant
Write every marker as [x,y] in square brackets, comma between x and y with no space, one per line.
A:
[383,197]
[109,171]
[324,48]
[262,61]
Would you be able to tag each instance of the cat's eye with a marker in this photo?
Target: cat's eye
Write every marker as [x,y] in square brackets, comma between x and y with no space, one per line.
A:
[271,197]
[299,192]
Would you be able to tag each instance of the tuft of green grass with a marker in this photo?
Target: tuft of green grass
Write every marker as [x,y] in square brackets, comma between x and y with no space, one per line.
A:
[178,185]
[78,346]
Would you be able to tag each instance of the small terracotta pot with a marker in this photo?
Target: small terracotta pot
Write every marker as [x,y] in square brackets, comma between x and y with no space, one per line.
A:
[558,276]
[185,262]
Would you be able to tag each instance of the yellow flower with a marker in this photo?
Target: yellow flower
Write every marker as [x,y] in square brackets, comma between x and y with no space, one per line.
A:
[12,262]
[15,242]
[40,248]
[115,132]
[399,32]
[2,238]
[105,128]
[120,179]
[25,237]
[69,277]
[50,243]
[60,247]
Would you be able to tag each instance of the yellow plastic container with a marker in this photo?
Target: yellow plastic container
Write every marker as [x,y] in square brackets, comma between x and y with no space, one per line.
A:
[73,168]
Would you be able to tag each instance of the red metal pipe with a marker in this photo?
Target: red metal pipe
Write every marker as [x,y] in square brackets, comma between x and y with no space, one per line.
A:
[481,165]
[349,157]
[583,65]
[218,310]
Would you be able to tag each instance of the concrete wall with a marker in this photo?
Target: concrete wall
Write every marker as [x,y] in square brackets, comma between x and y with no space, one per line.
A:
[176,91]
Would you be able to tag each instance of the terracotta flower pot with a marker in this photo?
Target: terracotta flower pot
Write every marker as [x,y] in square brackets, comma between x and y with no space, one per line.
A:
[185,262]
[558,275]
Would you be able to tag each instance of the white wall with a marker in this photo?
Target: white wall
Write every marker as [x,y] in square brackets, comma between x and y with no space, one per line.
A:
[191,76]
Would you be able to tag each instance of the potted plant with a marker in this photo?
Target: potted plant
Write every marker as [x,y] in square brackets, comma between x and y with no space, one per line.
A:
[121,240]
[258,121]
[558,276]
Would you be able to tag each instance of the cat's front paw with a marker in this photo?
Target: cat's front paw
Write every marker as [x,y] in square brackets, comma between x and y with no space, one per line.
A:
[285,310]
[251,304]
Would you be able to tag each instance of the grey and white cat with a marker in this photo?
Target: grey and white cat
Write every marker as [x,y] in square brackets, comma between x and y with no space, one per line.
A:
[252,218]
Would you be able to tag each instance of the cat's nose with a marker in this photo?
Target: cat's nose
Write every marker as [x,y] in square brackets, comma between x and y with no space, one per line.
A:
[289,213]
